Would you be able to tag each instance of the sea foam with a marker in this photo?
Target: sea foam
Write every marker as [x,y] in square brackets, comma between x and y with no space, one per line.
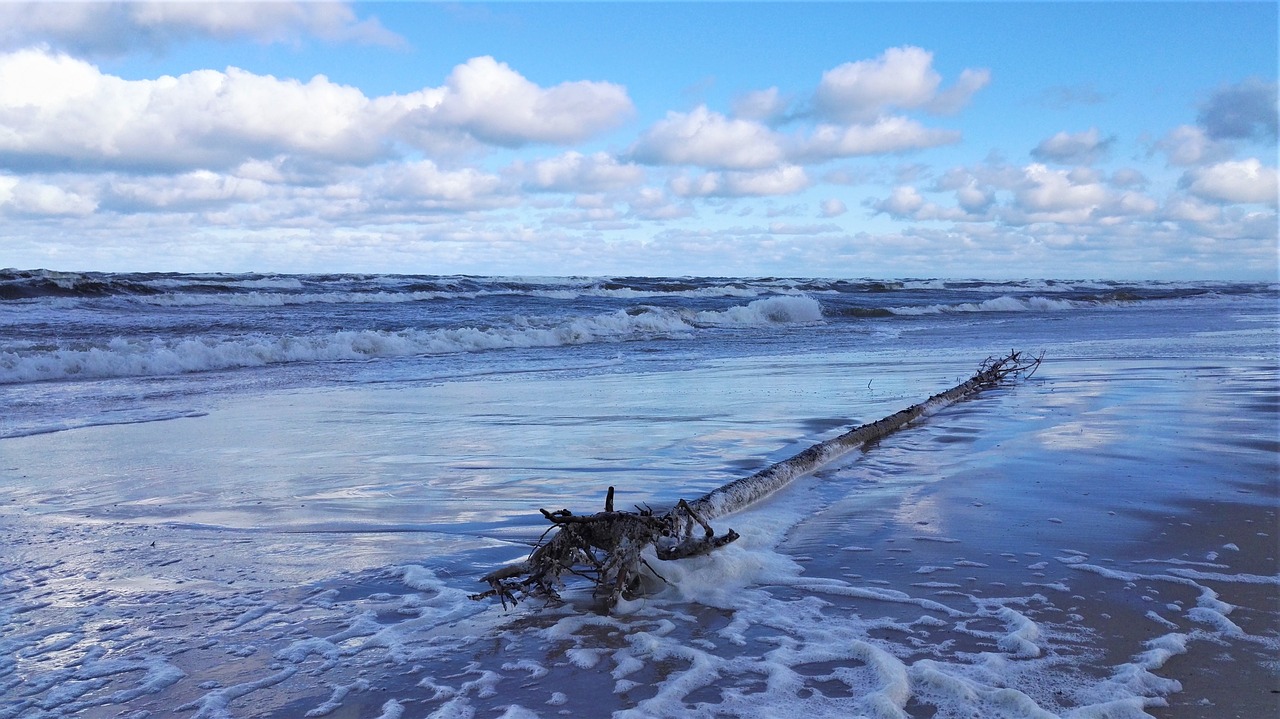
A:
[139,357]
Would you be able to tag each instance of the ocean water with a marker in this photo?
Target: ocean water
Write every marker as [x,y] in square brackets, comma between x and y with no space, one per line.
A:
[271,495]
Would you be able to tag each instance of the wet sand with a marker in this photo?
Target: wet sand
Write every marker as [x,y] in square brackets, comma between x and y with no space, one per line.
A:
[1120,497]
[1021,552]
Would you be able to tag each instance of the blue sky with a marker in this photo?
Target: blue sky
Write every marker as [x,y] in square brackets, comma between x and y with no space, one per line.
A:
[1076,140]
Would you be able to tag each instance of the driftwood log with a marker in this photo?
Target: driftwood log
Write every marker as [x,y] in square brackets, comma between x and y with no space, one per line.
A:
[606,547]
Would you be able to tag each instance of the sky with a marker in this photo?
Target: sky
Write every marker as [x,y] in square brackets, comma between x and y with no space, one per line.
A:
[1117,140]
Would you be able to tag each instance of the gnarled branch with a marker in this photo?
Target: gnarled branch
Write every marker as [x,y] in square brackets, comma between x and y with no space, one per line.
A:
[606,547]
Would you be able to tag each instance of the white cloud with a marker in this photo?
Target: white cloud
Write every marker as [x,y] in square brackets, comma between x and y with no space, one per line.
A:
[1128,205]
[902,203]
[974,199]
[991,175]
[1046,190]
[262,21]
[784,180]
[1128,177]
[422,182]
[55,110]
[1190,145]
[1257,225]
[709,139]
[1072,148]
[787,228]
[885,136]
[851,105]
[906,203]
[858,91]
[257,160]
[954,98]
[595,217]
[1191,209]
[268,171]
[1234,181]
[832,207]
[21,196]
[762,105]
[112,28]
[188,190]
[381,193]
[576,172]
[495,104]
[974,194]
[651,203]
[901,77]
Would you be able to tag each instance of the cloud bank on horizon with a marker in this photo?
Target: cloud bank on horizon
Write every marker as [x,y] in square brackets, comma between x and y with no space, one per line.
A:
[213,136]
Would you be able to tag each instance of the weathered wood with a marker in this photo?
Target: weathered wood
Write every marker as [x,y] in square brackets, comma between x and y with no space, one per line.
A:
[748,490]
[606,547]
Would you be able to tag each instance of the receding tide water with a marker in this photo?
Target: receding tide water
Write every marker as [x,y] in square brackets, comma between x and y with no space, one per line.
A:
[270,496]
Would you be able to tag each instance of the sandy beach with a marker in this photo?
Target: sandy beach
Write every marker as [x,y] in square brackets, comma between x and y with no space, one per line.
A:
[1101,535]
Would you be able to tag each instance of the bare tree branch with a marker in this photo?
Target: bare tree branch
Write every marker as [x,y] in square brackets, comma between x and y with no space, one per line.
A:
[606,547]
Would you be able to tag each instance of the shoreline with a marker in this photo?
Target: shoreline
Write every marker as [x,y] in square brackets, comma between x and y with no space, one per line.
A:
[1049,528]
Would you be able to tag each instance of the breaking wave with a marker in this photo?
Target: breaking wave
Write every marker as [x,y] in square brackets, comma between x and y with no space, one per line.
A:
[160,356]
[1004,303]
[273,289]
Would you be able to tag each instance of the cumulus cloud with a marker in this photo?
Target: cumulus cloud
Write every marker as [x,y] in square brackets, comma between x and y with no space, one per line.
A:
[1128,177]
[886,135]
[1246,110]
[498,105]
[832,207]
[901,77]
[56,110]
[190,190]
[787,228]
[906,203]
[850,117]
[35,198]
[576,172]
[1245,181]
[974,199]
[1082,148]
[1049,191]
[1185,208]
[423,182]
[1190,145]
[709,139]
[1126,205]
[763,105]
[954,98]
[651,203]
[1080,197]
[1018,197]
[113,28]
[902,203]
[784,180]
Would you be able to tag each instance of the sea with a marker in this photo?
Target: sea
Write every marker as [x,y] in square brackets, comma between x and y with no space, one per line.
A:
[274,495]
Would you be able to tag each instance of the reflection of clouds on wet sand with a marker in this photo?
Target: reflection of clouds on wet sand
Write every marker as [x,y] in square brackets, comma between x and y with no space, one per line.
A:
[1042,550]
[1079,435]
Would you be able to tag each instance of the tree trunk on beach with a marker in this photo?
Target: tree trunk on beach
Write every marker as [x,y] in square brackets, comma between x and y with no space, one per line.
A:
[606,547]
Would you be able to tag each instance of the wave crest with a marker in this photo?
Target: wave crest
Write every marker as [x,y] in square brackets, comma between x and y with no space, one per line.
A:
[146,357]
[1004,303]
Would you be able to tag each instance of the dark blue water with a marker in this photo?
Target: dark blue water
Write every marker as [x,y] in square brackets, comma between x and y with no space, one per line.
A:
[97,348]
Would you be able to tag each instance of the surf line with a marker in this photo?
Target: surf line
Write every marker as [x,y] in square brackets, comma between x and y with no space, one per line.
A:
[606,547]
